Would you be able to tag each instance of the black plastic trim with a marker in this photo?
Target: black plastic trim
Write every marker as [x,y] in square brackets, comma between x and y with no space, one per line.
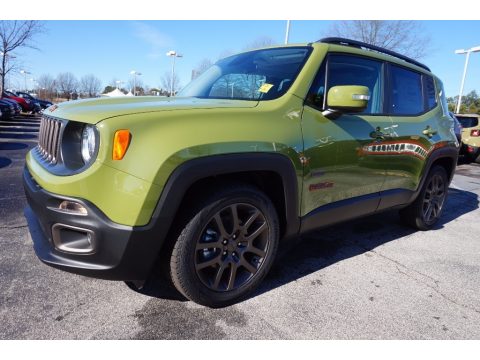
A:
[340,211]
[360,44]
[194,170]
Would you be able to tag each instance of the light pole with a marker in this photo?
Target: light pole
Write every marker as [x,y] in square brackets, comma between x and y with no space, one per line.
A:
[462,51]
[25,73]
[35,83]
[287,32]
[174,55]
[135,73]
[119,83]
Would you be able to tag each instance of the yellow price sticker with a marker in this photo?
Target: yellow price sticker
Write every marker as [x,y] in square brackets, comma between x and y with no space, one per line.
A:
[265,88]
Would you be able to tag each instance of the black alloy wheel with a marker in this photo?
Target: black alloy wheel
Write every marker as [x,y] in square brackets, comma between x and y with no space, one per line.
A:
[232,247]
[427,208]
[226,247]
[435,194]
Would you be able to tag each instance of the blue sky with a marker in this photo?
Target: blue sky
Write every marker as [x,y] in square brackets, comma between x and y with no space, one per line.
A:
[111,49]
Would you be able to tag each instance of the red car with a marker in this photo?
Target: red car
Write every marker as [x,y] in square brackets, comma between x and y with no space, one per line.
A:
[27,105]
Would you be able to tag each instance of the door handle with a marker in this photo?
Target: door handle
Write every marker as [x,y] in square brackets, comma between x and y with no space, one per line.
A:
[379,135]
[429,131]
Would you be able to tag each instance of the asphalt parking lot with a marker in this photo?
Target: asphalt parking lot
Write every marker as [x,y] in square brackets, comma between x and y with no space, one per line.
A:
[367,279]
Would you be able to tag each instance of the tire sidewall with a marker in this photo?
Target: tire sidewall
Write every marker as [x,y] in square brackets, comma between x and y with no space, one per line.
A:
[191,285]
[437,170]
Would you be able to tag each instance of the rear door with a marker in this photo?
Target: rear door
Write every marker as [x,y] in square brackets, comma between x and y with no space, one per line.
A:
[413,102]
[338,165]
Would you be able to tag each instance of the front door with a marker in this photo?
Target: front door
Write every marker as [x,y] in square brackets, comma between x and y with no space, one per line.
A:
[340,166]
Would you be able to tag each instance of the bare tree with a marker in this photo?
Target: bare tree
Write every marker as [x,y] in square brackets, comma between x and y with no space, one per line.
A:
[260,42]
[201,67]
[15,35]
[46,85]
[90,85]
[167,82]
[67,84]
[403,36]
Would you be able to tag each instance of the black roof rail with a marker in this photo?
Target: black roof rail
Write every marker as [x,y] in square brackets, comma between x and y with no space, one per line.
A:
[360,44]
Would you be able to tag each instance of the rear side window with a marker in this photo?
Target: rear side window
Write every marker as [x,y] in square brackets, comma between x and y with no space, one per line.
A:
[430,92]
[406,92]
[467,122]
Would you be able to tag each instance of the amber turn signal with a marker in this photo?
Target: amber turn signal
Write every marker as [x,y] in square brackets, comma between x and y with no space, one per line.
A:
[121,140]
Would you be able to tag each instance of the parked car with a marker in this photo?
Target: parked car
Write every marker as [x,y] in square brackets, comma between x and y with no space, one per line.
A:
[7,109]
[37,109]
[470,136]
[27,105]
[16,105]
[43,103]
[457,128]
[264,146]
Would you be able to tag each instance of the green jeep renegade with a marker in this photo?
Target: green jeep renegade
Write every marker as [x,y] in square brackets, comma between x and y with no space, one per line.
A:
[262,147]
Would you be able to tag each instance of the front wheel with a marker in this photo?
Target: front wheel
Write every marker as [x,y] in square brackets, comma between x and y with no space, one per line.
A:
[227,247]
[426,210]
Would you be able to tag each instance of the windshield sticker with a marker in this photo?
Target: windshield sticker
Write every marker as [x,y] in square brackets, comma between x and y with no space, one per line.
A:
[265,88]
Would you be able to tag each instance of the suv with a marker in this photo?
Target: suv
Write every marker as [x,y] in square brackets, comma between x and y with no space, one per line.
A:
[470,135]
[263,146]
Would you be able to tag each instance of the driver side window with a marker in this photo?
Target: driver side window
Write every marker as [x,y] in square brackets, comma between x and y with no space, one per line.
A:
[349,70]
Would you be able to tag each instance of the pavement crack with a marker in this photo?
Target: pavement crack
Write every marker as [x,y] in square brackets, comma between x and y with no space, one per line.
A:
[404,270]
[13,227]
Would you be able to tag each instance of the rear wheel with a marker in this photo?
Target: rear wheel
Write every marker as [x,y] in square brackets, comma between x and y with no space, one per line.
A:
[226,248]
[426,210]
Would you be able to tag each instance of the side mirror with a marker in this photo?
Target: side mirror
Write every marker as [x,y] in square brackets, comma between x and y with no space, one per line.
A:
[348,98]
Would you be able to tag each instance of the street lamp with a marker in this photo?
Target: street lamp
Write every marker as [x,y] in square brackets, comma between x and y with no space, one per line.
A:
[174,55]
[287,32]
[462,51]
[135,73]
[25,73]
[119,83]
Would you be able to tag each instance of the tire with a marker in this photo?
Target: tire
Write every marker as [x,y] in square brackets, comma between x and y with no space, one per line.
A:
[427,208]
[241,226]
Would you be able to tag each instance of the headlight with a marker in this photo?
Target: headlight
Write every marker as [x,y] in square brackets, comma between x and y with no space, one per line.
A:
[88,143]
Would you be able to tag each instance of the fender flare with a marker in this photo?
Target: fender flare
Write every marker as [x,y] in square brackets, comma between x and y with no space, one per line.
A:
[191,171]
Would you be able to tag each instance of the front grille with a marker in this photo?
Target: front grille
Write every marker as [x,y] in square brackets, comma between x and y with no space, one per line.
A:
[49,139]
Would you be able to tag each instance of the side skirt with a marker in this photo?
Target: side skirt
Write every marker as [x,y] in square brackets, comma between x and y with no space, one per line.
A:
[350,209]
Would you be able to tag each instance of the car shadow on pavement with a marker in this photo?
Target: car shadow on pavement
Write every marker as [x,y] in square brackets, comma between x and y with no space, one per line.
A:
[320,249]
[4,162]
[330,245]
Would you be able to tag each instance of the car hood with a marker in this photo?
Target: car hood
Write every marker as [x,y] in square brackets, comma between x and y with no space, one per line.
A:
[92,111]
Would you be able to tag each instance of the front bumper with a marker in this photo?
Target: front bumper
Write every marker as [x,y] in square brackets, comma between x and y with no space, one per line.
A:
[119,252]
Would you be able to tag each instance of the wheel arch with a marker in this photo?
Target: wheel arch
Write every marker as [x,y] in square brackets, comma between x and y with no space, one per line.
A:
[271,172]
[446,157]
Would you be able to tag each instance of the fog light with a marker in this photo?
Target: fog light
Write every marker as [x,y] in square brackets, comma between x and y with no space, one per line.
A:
[72,207]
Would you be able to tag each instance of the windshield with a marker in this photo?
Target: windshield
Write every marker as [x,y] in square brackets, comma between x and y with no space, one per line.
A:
[255,75]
